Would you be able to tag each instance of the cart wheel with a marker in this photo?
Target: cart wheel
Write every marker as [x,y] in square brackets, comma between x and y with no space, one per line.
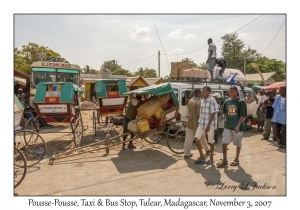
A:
[94,122]
[155,138]
[176,137]
[20,167]
[98,116]
[78,132]
[32,145]
[33,124]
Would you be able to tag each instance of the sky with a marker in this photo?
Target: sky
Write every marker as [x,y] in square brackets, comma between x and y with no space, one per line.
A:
[93,39]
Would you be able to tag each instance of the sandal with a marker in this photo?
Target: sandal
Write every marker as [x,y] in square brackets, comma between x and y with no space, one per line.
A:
[199,161]
[222,163]
[235,162]
[209,162]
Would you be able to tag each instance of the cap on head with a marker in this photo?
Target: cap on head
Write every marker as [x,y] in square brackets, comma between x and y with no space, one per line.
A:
[20,89]
[217,95]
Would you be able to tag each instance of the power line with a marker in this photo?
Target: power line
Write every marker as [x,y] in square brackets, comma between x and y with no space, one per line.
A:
[163,48]
[274,37]
[139,60]
[219,39]
[150,62]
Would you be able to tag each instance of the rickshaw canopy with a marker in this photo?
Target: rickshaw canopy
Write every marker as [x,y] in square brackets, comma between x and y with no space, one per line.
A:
[67,91]
[101,86]
[158,90]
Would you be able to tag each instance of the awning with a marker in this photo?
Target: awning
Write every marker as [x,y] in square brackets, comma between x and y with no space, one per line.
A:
[20,81]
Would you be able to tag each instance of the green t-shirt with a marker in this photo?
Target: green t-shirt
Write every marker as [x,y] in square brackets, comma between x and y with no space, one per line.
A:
[233,110]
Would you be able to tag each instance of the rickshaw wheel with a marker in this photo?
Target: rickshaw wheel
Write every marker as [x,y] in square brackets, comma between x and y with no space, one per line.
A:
[20,166]
[78,132]
[32,145]
[94,122]
[176,137]
[33,125]
[154,139]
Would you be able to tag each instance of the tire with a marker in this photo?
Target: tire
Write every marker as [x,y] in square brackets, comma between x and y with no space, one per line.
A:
[248,123]
[20,167]
[154,139]
[78,132]
[94,122]
[176,136]
[33,124]
[32,145]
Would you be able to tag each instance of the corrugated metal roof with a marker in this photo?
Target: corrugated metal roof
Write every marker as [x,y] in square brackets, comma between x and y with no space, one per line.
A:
[134,79]
[152,81]
[257,77]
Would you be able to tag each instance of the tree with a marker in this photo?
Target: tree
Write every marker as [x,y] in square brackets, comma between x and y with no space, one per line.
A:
[149,73]
[31,53]
[232,50]
[203,66]
[122,72]
[192,63]
[87,69]
[110,66]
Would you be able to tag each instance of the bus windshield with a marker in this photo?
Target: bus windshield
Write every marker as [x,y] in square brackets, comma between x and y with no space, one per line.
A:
[53,75]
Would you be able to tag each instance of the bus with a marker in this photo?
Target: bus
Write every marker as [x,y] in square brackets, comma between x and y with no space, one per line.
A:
[48,71]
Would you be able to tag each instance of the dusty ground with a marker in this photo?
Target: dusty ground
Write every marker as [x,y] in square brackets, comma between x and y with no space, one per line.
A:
[154,169]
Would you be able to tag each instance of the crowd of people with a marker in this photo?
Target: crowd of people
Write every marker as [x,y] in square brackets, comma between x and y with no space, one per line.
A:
[204,111]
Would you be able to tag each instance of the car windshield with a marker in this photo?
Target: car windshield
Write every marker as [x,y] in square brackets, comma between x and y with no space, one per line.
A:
[42,76]
[68,77]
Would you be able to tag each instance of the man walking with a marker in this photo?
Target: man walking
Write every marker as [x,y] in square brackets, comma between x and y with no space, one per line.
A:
[207,124]
[267,106]
[192,124]
[211,57]
[279,118]
[261,116]
[234,109]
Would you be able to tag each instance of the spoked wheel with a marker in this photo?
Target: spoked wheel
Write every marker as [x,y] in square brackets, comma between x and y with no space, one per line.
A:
[176,137]
[32,145]
[155,138]
[20,167]
[33,124]
[94,122]
[78,132]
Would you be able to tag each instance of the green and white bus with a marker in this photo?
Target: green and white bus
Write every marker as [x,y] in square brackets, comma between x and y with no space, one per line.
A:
[48,71]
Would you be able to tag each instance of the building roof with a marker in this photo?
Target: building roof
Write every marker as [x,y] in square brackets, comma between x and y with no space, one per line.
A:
[256,77]
[134,79]
[152,81]
[21,74]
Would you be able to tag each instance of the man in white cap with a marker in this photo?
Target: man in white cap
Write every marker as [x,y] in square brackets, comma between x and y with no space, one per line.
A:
[21,95]
[217,97]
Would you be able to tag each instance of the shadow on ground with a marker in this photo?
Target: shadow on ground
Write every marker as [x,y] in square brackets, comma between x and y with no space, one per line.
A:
[132,161]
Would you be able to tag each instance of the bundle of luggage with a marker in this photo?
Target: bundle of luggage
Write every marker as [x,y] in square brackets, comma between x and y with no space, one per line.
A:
[150,113]
[193,72]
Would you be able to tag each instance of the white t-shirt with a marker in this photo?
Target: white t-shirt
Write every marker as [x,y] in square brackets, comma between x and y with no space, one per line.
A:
[212,47]
[262,99]
[282,102]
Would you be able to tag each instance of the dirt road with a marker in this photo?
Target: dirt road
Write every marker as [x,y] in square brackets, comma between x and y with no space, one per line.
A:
[155,170]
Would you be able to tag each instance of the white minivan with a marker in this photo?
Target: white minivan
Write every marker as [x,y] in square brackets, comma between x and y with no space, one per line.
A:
[184,92]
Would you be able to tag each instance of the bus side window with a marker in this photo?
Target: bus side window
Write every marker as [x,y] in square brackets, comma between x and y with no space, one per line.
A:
[183,97]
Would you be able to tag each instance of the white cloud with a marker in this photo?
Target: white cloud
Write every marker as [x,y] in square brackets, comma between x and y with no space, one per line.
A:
[177,50]
[139,34]
[177,34]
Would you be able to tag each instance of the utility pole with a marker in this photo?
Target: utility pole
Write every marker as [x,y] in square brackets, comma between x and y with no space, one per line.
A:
[245,65]
[159,64]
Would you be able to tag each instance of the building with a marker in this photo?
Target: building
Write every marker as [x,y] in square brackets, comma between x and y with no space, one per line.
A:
[134,83]
[256,80]
[22,80]
[87,82]
[152,81]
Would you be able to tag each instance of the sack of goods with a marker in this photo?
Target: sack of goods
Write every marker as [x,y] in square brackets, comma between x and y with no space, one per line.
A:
[151,106]
[199,73]
[133,126]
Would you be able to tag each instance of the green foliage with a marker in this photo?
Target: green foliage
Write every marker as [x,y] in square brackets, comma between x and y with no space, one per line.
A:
[31,53]
[122,72]
[192,63]
[110,66]
[203,66]
[150,73]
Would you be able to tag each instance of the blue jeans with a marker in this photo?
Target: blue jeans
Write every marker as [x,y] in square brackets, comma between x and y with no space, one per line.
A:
[28,115]
[210,65]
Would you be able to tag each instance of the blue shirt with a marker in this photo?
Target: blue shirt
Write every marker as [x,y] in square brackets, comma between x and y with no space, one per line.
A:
[279,114]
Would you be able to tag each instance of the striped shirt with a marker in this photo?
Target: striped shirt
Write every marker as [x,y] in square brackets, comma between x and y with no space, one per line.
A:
[193,113]
[208,106]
